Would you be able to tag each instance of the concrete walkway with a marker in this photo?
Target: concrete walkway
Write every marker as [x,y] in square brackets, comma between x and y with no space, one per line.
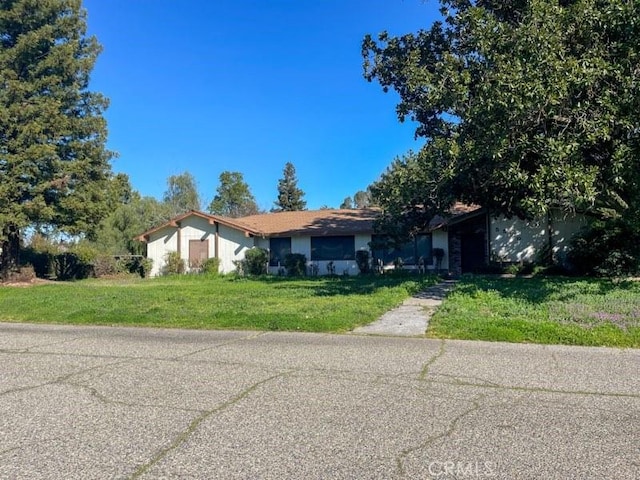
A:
[412,317]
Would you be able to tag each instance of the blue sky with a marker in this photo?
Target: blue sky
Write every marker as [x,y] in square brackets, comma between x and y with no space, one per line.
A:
[247,85]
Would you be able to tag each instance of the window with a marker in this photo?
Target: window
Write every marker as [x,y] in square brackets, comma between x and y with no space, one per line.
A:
[410,252]
[278,249]
[333,248]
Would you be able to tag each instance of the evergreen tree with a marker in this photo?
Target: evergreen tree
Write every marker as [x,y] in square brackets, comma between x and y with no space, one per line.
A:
[233,197]
[290,197]
[54,167]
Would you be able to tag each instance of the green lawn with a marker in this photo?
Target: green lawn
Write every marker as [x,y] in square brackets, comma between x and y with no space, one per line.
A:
[198,301]
[542,310]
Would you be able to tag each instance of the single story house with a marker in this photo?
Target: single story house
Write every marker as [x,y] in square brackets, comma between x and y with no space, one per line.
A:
[470,238]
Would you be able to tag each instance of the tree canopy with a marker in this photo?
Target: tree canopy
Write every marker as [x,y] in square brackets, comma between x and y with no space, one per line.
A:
[290,197]
[524,106]
[54,166]
[181,194]
[233,197]
[361,199]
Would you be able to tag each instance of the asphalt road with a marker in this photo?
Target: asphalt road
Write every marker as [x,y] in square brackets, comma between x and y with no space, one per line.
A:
[102,403]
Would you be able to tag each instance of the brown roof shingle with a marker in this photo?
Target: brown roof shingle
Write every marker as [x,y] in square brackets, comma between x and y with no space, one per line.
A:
[312,222]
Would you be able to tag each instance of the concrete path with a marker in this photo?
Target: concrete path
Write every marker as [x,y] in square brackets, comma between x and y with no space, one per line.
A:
[96,403]
[412,317]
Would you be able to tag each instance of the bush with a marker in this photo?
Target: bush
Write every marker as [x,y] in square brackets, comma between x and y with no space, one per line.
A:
[296,264]
[211,266]
[606,248]
[105,266]
[254,263]
[71,266]
[173,264]
[362,260]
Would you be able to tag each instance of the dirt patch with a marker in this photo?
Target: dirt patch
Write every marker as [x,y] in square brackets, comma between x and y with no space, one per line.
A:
[30,283]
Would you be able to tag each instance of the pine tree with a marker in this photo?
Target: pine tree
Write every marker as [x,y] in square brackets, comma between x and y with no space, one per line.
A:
[290,197]
[54,167]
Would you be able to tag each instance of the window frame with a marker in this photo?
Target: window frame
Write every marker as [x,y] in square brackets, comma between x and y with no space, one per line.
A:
[276,256]
[348,254]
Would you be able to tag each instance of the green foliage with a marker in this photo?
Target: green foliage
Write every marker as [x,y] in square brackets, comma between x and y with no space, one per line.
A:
[290,197]
[361,199]
[54,168]
[362,260]
[211,266]
[525,106]
[181,194]
[173,265]
[62,262]
[71,266]
[541,310]
[118,230]
[254,263]
[233,197]
[296,264]
[606,248]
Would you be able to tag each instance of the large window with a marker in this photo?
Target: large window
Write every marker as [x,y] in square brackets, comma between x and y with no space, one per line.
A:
[278,249]
[410,252]
[333,248]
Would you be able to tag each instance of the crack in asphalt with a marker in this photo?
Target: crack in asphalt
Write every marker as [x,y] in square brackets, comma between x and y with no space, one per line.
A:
[425,369]
[29,348]
[195,423]
[61,379]
[110,401]
[218,345]
[451,428]
[516,388]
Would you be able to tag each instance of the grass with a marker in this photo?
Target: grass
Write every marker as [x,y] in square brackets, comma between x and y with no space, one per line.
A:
[209,302]
[542,310]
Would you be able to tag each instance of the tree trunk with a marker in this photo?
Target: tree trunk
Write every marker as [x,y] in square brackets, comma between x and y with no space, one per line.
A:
[10,250]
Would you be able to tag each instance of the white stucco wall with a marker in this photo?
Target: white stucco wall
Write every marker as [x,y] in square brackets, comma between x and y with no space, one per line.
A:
[515,240]
[440,239]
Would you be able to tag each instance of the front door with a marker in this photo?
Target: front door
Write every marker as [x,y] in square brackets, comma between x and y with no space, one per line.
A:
[198,252]
[472,251]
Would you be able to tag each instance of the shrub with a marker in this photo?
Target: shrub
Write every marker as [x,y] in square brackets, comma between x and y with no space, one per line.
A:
[173,264]
[331,268]
[105,265]
[254,263]
[135,264]
[71,266]
[362,260]
[296,264]
[605,248]
[211,266]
